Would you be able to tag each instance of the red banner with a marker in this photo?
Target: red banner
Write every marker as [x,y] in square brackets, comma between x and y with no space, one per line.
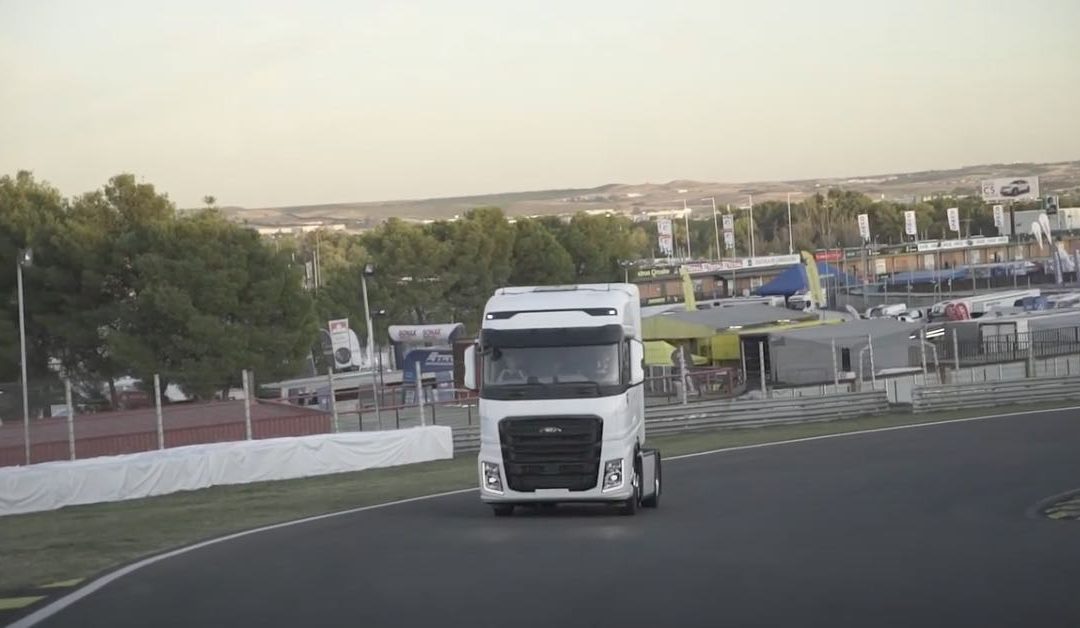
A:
[829,256]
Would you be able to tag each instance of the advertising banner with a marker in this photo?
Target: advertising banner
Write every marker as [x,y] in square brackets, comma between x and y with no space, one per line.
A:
[729,239]
[1010,189]
[954,218]
[864,227]
[999,216]
[665,236]
[341,342]
[729,222]
[910,226]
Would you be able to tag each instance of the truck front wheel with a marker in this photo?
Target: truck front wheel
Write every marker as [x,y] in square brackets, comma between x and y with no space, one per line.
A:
[653,501]
[629,506]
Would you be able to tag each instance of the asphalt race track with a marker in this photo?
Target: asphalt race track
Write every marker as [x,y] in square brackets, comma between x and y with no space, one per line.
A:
[917,527]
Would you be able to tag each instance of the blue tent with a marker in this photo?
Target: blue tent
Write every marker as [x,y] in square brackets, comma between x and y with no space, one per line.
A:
[793,280]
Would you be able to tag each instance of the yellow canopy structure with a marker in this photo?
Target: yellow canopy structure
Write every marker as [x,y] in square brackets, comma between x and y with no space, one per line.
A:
[658,353]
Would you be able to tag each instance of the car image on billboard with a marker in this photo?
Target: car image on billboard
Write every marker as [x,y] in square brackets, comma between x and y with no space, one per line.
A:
[1015,188]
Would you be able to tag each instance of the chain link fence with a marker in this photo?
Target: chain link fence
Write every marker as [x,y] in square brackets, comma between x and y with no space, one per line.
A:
[135,416]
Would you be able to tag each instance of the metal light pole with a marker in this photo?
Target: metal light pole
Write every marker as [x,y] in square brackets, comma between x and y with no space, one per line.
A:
[26,257]
[716,227]
[369,270]
[790,241]
[686,220]
[752,254]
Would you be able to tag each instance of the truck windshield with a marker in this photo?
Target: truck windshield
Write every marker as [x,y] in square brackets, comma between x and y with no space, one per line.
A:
[523,366]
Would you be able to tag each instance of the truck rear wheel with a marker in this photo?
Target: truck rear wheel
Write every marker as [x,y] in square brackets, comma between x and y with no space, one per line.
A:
[503,510]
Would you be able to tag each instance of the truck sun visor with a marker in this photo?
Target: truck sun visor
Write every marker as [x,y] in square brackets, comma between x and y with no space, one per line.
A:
[591,311]
[553,337]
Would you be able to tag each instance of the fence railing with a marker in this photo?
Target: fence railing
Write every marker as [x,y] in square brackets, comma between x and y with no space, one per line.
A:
[994,393]
[712,415]
[132,431]
[700,384]
[1009,347]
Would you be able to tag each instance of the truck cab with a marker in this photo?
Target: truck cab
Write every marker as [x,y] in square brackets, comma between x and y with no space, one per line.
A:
[559,371]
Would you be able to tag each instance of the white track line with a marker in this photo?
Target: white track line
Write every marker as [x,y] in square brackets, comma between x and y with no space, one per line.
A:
[60,604]
[893,428]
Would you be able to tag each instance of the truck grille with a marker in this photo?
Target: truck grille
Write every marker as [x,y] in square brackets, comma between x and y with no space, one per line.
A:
[551,452]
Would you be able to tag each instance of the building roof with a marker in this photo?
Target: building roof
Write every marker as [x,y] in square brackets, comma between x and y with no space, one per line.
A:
[722,319]
[874,327]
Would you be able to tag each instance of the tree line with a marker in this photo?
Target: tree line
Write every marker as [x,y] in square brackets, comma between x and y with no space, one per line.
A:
[124,284]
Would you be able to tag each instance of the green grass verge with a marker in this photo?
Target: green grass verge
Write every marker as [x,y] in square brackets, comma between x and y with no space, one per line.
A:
[80,541]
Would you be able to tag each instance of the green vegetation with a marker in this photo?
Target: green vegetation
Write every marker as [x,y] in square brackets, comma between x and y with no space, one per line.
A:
[82,540]
[125,284]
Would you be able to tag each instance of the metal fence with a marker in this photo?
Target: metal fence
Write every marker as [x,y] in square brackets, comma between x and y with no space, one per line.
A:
[1008,347]
[994,393]
[710,415]
[68,422]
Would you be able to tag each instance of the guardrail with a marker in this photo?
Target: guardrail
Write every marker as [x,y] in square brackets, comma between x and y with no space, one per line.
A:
[994,393]
[709,415]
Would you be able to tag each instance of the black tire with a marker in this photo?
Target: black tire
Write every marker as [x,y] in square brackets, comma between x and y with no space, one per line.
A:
[654,501]
[503,510]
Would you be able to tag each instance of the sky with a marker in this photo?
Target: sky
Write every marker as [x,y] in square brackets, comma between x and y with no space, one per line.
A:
[273,103]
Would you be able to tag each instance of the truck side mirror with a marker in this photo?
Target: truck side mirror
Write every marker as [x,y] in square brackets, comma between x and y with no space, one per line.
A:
[637,362]
[470,368]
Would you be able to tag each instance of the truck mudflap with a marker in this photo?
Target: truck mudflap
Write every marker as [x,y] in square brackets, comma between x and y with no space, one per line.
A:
[649,463]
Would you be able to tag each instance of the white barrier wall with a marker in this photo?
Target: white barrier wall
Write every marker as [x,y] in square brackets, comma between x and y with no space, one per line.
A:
[52,485]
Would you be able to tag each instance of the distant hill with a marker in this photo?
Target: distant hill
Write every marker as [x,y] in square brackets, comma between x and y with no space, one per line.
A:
[1054,177]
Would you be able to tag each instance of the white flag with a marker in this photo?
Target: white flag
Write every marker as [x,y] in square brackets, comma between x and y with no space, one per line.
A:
[954,218]
[665,237]
[910,226]
[864,227]
[999,216]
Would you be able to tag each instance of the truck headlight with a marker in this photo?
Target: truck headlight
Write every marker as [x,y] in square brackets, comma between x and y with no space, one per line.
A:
[613,474]
[492,478]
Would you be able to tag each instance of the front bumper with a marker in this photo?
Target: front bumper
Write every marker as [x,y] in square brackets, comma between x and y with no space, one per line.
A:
[596,494]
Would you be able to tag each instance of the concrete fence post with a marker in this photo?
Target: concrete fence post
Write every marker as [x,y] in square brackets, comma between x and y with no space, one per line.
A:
[247,404]
[332,399]
[761,367]
[835,368]
[922,353]
[419,393]
[956,352]
[873,369]
[157,411]
[70,418]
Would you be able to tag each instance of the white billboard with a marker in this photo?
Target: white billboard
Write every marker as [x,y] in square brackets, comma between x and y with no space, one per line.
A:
[729,239]
[910,226]
[343,344]
[864,227]
[954,218]
[1010,189]
[729,222]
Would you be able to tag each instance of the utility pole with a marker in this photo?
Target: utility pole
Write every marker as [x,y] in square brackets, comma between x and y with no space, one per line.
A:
[686,220]
[26,257]
[716,228]
[790,240]
[752,254]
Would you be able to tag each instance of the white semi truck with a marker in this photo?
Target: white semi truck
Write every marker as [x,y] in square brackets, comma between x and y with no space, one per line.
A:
[560,372]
